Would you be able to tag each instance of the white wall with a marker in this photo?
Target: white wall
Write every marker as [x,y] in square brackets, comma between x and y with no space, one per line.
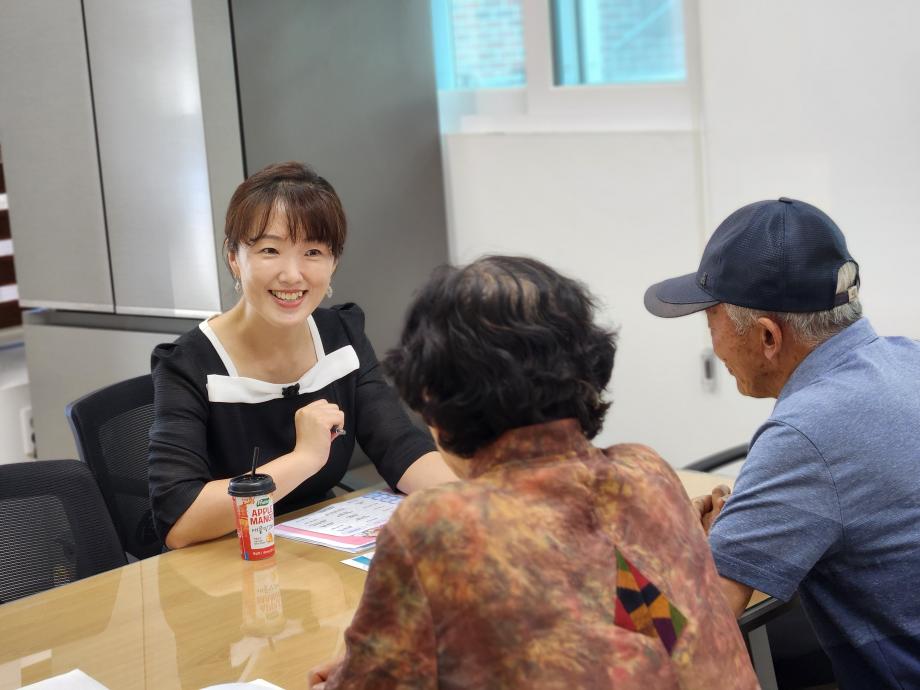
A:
[816,100]
[820,100]
[618,211]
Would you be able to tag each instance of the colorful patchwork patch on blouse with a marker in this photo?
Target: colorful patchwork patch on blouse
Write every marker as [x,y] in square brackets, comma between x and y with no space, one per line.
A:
[642,608]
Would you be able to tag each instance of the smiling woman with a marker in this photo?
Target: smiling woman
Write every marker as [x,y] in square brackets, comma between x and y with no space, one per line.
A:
[275,371]
[278,272]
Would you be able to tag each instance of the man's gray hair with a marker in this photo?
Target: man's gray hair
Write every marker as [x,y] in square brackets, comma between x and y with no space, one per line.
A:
[809,328]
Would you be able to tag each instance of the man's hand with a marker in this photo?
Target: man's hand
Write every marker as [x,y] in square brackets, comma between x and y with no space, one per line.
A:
[320,674]
[710,505]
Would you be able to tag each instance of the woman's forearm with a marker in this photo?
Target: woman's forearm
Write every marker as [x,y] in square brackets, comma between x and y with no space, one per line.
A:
[211,514]
[428,470]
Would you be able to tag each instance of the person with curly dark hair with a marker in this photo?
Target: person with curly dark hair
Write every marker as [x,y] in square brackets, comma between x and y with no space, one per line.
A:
[504,343]
[554,564]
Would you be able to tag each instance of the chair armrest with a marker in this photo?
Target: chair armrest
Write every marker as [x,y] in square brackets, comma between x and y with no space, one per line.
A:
[716,460]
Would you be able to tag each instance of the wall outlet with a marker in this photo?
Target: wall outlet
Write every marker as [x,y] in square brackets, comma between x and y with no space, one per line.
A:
[28,433]
[710,369]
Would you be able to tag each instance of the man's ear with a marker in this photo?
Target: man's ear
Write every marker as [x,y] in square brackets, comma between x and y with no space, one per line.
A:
[771,338]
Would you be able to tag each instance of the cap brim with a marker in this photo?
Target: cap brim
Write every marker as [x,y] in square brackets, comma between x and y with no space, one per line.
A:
[677,297]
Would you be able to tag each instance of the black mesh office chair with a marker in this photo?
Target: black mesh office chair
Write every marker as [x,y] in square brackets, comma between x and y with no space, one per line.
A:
[111,428]
[798,660]
[54,527]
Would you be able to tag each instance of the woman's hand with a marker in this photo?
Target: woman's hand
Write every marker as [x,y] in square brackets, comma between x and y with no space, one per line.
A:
[313,426]
[209,516]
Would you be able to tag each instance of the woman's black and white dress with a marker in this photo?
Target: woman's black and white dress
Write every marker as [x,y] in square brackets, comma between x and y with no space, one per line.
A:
[207,419]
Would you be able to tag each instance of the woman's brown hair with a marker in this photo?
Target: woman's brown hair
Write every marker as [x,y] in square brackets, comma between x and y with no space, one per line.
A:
[309,203]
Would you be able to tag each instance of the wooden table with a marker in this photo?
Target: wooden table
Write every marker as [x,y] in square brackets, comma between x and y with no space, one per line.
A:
[195,617]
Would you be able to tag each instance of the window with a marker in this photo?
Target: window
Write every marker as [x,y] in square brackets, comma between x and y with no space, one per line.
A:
[618,41]
[554,65]
[479,44]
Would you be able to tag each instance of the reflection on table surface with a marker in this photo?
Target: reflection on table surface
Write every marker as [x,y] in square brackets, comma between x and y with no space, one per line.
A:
[187,619]
[195,617]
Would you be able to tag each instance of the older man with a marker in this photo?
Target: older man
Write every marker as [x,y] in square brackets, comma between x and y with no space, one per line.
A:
[828,500]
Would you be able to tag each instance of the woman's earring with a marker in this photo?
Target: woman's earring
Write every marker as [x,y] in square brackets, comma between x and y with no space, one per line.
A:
[237,285]
[329,291]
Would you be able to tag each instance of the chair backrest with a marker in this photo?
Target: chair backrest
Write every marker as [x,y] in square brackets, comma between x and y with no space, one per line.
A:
[717,460]
[111,427]
[54,527]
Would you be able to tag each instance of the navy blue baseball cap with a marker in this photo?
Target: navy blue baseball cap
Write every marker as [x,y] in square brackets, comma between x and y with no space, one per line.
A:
[778,256]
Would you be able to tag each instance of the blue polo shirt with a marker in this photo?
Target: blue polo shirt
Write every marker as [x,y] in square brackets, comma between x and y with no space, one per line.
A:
[828,503]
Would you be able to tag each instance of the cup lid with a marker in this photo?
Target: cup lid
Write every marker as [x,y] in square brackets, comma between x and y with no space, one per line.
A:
[251,485]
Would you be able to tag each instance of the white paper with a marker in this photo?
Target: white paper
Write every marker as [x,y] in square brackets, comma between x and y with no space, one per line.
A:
[351,525]
[362,562]
[258,683]
[72,680]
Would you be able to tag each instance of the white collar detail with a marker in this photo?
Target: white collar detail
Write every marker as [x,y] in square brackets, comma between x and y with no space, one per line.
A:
[205,328]
[240,389]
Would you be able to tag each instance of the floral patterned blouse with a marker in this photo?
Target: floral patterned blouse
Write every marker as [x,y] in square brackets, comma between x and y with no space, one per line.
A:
[555,565]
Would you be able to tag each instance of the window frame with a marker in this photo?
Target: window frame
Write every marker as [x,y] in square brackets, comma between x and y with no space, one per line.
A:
[542,105]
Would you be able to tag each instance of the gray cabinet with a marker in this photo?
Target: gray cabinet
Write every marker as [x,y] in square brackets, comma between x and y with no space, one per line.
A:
[151,138]
[49,151]
[102,114]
